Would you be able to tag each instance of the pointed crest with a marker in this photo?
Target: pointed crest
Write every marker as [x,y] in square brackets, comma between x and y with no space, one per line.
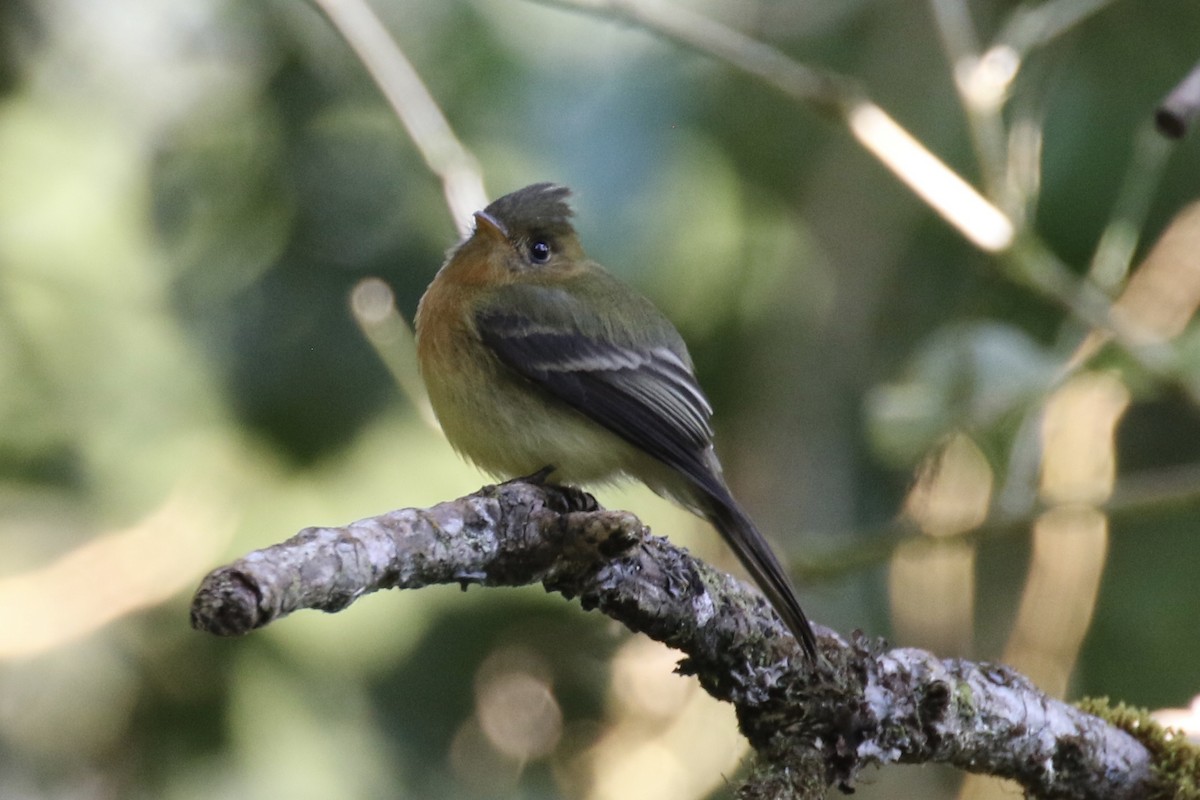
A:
[540,207]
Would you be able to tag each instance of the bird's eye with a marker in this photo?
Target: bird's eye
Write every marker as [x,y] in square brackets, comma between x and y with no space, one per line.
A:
[539,251]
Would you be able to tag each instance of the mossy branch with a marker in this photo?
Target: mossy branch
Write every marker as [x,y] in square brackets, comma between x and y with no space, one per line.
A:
[812,727]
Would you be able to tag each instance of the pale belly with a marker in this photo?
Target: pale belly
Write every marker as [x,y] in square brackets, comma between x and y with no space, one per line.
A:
[514,432]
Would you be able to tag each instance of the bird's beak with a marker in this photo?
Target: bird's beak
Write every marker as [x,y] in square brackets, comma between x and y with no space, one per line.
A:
[489,226]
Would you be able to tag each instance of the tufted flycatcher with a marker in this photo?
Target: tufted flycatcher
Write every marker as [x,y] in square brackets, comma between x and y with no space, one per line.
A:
[535,356]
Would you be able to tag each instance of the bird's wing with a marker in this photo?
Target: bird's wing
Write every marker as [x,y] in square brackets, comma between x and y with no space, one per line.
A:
[646,395]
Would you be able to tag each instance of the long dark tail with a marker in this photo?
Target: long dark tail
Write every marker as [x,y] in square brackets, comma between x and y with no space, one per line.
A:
[739,531]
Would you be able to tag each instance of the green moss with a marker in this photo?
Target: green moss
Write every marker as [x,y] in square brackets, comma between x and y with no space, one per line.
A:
[1176,762]
[964,695]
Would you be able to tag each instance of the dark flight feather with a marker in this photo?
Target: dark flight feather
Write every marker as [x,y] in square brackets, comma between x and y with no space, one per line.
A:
[647,397]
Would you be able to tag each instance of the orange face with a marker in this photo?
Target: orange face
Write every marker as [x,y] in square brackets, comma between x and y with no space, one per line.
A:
[493,257]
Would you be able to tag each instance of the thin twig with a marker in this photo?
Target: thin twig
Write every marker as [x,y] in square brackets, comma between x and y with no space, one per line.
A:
[1033,26]
[1181,107]
[824,90]
[462,178]
[1032,263]
[981,100]
[1134,497]
[373,306]
[1114,254]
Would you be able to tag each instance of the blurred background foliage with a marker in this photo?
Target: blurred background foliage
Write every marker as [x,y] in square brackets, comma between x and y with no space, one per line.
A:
[190,192]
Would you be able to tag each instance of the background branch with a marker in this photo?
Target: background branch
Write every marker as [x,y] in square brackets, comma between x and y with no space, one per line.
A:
[394,74]
[1135,497]
[1022,254]
[1181,107]
[862,705]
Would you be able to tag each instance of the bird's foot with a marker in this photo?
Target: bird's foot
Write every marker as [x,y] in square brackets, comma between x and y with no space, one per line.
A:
[572,498]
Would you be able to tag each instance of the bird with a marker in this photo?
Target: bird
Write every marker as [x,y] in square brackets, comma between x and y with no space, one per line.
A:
[535,358]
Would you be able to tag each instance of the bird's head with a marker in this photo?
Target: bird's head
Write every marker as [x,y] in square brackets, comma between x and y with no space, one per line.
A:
[525,234]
